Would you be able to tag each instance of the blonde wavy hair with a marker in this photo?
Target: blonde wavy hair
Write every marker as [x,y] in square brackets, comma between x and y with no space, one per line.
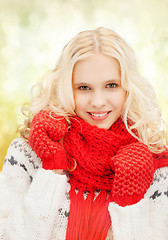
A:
[141,114]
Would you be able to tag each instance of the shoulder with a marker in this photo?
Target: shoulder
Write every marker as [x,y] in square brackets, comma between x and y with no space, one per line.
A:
[21,155]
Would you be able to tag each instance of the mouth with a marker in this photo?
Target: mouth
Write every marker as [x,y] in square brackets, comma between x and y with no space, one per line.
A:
[99,116]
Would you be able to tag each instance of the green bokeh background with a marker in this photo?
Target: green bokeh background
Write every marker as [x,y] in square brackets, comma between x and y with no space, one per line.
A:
[33,33]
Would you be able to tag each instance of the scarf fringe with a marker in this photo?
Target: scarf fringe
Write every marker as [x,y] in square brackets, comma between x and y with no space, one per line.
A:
[89,218]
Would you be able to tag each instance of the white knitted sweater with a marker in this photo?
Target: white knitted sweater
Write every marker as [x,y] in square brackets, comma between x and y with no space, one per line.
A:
[34,203]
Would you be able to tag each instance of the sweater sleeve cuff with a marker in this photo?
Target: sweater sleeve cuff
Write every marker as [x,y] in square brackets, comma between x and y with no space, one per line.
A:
[47,189]
[130,222]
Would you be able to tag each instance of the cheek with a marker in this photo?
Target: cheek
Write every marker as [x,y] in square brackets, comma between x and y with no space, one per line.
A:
[118,100]
[122,100]
[80,101]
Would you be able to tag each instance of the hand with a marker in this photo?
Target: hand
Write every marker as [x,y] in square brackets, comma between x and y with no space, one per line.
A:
[134,169]
[45,137]
[58,171]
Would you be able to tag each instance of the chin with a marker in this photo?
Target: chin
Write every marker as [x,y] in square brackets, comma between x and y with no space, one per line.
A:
[104,126]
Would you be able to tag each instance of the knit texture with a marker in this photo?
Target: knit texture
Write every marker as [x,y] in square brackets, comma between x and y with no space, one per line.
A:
[45,132]
[147,219]
[134,167]
[32,199]
[92,149]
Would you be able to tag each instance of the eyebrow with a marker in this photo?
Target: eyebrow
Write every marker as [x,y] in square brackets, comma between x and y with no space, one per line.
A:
[113,80]
[82,83]
[108,81]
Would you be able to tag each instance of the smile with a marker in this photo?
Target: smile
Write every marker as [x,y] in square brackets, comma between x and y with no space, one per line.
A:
[99,115]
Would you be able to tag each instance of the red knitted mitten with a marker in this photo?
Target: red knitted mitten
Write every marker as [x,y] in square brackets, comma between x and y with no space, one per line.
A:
[46,130]
[134,169]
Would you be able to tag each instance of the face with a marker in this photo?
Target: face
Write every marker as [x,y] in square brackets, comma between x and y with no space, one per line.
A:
[99,97]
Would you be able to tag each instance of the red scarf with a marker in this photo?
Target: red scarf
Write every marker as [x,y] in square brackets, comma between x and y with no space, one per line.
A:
[92,148]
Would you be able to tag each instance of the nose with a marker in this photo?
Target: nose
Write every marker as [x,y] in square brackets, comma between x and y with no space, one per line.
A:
[98,99]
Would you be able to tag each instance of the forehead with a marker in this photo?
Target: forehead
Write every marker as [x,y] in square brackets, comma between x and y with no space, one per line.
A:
[97,66]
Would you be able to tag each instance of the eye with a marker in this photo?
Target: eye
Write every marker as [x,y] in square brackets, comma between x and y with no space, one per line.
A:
[112,85]
[84,88]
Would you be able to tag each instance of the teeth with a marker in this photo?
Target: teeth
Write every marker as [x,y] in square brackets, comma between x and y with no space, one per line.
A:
[98,115]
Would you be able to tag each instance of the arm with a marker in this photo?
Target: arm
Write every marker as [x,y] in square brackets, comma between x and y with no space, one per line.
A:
[140,201]
[147,219]
[29,195]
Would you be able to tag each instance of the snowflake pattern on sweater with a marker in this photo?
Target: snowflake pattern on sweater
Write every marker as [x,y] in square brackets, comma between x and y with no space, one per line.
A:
[34,203]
